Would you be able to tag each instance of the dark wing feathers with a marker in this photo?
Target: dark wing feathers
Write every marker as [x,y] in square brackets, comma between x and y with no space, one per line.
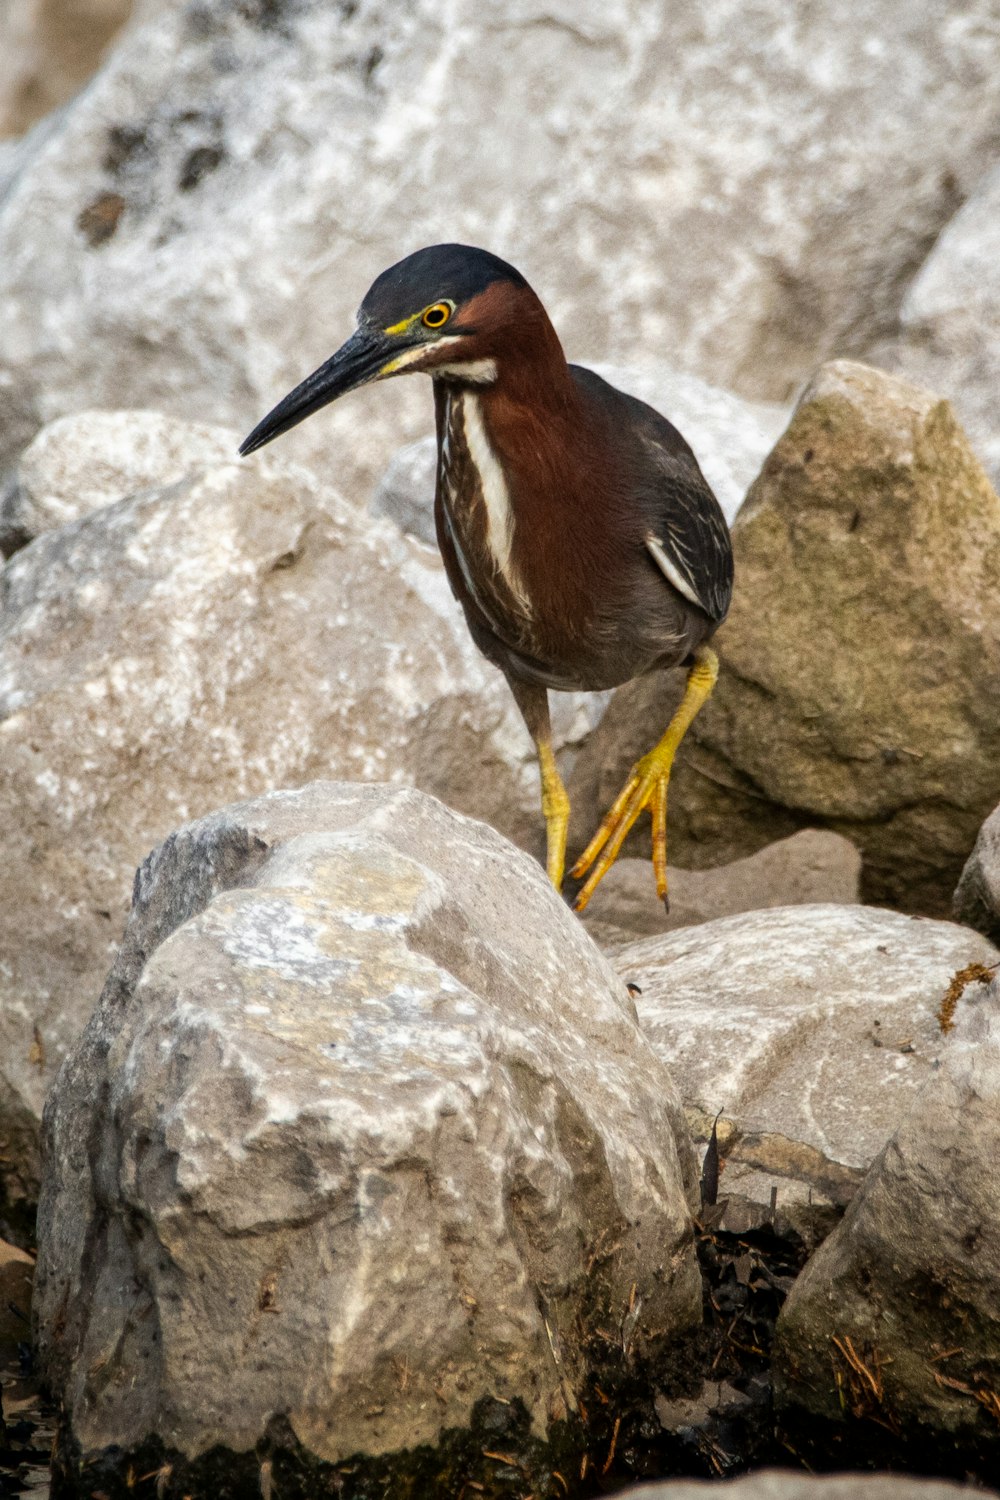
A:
[689,535]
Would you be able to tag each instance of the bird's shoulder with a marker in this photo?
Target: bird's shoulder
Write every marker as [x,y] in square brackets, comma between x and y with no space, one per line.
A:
[690,539]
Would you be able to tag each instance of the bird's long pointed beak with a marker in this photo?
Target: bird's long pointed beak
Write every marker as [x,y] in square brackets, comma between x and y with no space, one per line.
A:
[359,361]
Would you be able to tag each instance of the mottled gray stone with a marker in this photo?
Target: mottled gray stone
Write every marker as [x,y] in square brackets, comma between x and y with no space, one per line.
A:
[977,895]
[811,1028]
[242,629]
[948,323]
[812,866]
[358,1115]
[910,1281]
[689,182]
[93,458]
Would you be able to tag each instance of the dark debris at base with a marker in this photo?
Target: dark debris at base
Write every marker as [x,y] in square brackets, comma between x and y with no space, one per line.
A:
[714,1419]
[27,1429]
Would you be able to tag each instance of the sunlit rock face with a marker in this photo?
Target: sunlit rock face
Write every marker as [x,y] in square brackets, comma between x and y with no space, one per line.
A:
[695,184]
[365,1122]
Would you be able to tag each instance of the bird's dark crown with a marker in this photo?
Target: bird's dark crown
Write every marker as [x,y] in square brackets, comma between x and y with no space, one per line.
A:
[455,272]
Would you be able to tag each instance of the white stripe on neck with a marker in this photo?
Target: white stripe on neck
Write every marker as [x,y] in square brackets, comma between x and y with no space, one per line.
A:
[499,512]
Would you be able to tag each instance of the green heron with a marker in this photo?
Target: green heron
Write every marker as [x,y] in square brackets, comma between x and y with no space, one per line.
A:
[578,532]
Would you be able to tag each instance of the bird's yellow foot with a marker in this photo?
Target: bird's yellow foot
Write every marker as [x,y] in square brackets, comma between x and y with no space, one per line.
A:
[646,787]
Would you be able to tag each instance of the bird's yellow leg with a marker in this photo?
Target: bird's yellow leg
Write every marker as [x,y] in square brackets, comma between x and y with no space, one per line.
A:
[647,787]
[555,808]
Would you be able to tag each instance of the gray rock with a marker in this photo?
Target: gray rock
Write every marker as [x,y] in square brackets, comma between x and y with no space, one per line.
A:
[811,1028]
[977,895]
[365,1121]
[405,493]
[240,630]
[780,1484]
[699,185]
[811,866]
[730,437]
[947,336]
[896,1318]
[860,662]
[93,458]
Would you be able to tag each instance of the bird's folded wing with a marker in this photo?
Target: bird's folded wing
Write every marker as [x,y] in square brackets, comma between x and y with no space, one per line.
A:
[690,544]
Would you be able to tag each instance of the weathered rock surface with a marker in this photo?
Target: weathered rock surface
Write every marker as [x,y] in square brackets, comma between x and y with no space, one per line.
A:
[364,1120]
[811,866]
[730,437]
[947,337]
[977,895]
[242,629]
[860,661]
[896,1319]
[781,1484]
[190,204]
[811,1028]
[80,463]
[48,50]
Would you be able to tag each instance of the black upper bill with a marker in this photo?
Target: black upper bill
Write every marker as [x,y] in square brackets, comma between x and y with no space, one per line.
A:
[355,363]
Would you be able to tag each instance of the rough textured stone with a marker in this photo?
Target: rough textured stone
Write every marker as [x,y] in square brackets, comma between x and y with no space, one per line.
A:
[240,630]
[947,337]
[910,1281]
[731,438]
[360,1098]
[811,866]
[861,658]
[197,236]
[48,50]
[811,1028]
[780,1484]
[82,462]
[977,895]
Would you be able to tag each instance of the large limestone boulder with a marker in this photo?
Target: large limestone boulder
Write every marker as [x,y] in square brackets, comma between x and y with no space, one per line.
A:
[93,458]
[894,1325]
[197,234]
[730,437]
[861,658]
[360,1156]
[241,629]
[977,895]
[809,1031]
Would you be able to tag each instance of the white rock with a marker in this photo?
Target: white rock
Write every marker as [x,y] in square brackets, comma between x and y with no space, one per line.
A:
[910,1281]
[242,629]
[700,186]
[810,1027]
[948,321]
[365,1121]
[93,458]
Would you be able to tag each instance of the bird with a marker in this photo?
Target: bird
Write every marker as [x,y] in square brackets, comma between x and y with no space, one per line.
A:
[577,529]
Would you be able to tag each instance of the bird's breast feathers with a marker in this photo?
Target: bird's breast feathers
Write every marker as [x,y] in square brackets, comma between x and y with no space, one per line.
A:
[477,498]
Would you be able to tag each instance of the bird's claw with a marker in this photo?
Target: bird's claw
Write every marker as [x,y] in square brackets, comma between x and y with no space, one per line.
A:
[646,787]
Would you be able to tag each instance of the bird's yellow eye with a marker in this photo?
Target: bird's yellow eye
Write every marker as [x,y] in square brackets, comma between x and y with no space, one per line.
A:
[436,316]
